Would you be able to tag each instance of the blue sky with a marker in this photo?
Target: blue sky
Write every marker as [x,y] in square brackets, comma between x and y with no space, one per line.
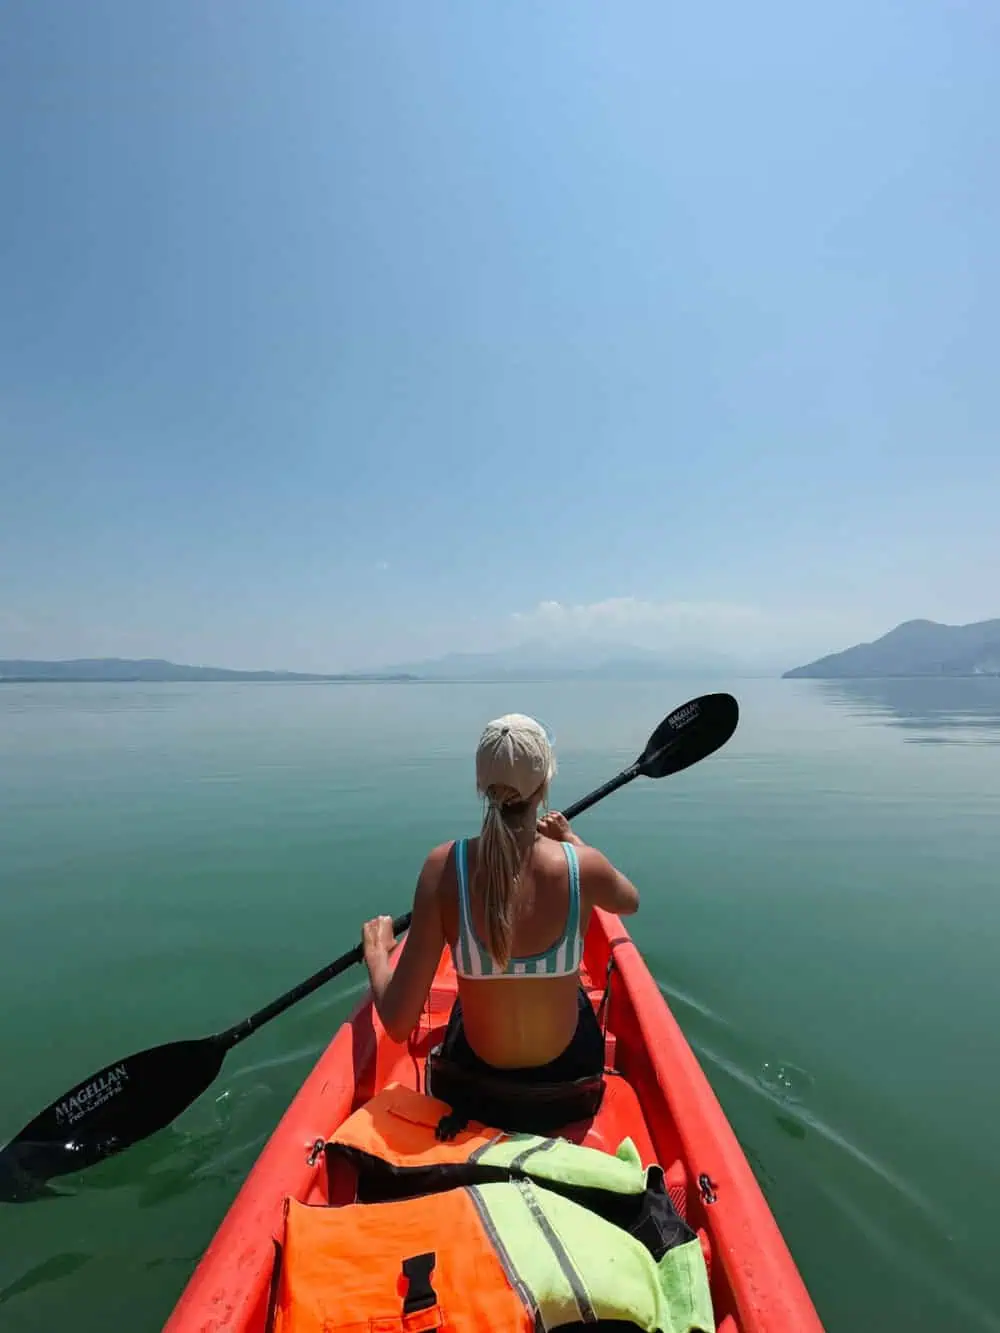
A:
[341,334]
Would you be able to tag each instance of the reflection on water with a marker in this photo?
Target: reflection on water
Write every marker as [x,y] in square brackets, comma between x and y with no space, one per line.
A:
[934,710]
[49,1270]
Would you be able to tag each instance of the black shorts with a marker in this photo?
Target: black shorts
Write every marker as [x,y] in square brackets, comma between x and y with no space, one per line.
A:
[536,1099]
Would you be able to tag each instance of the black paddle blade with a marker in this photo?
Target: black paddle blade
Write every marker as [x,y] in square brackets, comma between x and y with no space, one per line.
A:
[108,1112]
[690,733]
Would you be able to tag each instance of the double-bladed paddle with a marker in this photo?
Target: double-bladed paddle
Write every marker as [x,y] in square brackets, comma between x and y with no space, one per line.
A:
[133,1098]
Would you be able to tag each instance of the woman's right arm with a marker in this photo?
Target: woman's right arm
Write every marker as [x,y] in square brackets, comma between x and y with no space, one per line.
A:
[604,885]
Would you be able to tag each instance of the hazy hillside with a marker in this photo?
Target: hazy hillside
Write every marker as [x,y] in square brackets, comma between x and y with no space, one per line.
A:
[916,648]
[539,659]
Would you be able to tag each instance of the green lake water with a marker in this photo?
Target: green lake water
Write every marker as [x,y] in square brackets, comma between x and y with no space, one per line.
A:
[820,904]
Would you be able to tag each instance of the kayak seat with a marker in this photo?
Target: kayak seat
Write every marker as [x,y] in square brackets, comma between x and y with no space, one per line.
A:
[620,1114]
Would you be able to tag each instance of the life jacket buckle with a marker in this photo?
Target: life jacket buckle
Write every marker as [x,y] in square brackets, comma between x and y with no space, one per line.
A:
[420,1293]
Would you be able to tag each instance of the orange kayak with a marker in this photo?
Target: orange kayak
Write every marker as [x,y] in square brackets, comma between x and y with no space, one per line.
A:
[662,1101]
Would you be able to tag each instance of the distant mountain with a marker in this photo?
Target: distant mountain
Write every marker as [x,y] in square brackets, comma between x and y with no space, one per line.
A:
[582,660]
[147,669]
[915,648]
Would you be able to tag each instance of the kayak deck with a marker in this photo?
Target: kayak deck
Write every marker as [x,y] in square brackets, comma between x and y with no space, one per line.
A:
[657,1095]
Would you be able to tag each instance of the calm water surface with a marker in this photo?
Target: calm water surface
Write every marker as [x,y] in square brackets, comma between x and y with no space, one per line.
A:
[821,905]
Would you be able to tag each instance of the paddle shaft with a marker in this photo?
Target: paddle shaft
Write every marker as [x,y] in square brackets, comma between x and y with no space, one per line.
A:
[586,802]
[240,1031]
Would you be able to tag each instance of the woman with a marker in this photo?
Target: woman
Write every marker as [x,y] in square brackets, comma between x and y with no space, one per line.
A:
[514,905]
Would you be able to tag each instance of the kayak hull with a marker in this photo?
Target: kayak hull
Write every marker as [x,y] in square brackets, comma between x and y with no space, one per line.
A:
[661,1100]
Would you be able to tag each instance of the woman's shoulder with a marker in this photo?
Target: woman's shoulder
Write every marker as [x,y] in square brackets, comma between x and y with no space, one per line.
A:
[441,863]
[594,865]
[438,857]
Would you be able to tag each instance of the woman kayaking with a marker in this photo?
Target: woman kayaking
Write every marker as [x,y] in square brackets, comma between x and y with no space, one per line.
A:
[513,904]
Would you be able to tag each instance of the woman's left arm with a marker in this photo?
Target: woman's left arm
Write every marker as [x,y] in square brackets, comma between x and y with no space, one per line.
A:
[399,993]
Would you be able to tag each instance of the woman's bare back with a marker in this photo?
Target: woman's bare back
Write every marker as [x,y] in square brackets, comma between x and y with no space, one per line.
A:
[522,1022]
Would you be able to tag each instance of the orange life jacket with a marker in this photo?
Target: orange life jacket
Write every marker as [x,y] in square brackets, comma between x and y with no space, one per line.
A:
[394,1268]
[486,1231]
[399,1126]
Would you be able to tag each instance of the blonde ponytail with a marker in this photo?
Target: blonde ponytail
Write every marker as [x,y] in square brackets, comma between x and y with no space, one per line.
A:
[498,868]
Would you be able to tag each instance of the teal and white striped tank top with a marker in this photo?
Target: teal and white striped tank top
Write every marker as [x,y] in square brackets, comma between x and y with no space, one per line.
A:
[473,959]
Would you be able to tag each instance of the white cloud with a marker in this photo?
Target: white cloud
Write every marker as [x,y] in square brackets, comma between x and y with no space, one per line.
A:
[680,628]
[635,613]
[381,565]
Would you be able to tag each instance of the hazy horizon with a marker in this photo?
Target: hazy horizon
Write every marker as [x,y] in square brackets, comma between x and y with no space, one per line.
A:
[552,655]
[335,337]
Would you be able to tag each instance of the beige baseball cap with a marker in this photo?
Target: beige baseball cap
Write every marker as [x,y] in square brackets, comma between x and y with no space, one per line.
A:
[515,752]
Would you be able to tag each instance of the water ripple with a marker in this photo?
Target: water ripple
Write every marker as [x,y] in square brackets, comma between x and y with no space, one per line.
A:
[784,1092]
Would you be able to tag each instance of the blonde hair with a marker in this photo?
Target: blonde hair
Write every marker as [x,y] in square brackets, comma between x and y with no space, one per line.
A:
[514,766]
[498,866]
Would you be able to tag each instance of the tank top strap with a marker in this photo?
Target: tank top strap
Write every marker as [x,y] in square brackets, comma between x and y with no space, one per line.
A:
[462,873]
[572,932]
